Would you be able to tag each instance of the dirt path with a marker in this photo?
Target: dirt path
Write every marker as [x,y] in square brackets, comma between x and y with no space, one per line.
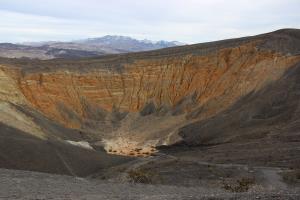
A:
[274,179]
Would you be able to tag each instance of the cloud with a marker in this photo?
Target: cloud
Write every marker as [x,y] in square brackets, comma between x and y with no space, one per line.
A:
[188,21]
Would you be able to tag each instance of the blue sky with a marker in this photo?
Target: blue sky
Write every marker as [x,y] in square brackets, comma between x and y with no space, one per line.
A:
[189,21]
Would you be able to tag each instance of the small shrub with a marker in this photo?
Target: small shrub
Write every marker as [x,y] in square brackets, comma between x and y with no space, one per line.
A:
[140,176]
[241,185]
[292,176]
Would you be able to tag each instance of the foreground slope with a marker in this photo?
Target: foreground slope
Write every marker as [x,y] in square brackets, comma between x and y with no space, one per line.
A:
[23,185]
[202,101]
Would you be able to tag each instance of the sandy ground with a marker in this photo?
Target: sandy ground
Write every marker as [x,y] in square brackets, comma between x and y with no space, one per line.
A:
[32,185]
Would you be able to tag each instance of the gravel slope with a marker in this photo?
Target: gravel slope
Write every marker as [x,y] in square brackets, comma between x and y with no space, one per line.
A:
[32,185]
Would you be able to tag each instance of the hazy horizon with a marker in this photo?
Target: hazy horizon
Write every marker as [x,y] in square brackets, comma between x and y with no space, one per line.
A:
[188,21]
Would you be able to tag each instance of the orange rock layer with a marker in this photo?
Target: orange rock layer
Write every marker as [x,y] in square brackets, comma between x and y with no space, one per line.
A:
[215,81]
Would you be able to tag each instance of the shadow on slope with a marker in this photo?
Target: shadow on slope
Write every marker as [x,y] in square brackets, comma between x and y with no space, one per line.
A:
[19,150]
[261,128]
[268,111]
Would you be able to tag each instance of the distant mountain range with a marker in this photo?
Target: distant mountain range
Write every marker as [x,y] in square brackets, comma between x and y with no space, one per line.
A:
[82,48]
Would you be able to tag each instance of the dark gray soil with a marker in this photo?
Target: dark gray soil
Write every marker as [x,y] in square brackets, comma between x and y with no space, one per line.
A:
[32,185]
[19,150]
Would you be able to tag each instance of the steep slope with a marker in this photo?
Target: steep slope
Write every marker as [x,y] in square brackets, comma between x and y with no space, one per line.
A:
[272,111]
[131,103]
[30,141]
[261,128]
